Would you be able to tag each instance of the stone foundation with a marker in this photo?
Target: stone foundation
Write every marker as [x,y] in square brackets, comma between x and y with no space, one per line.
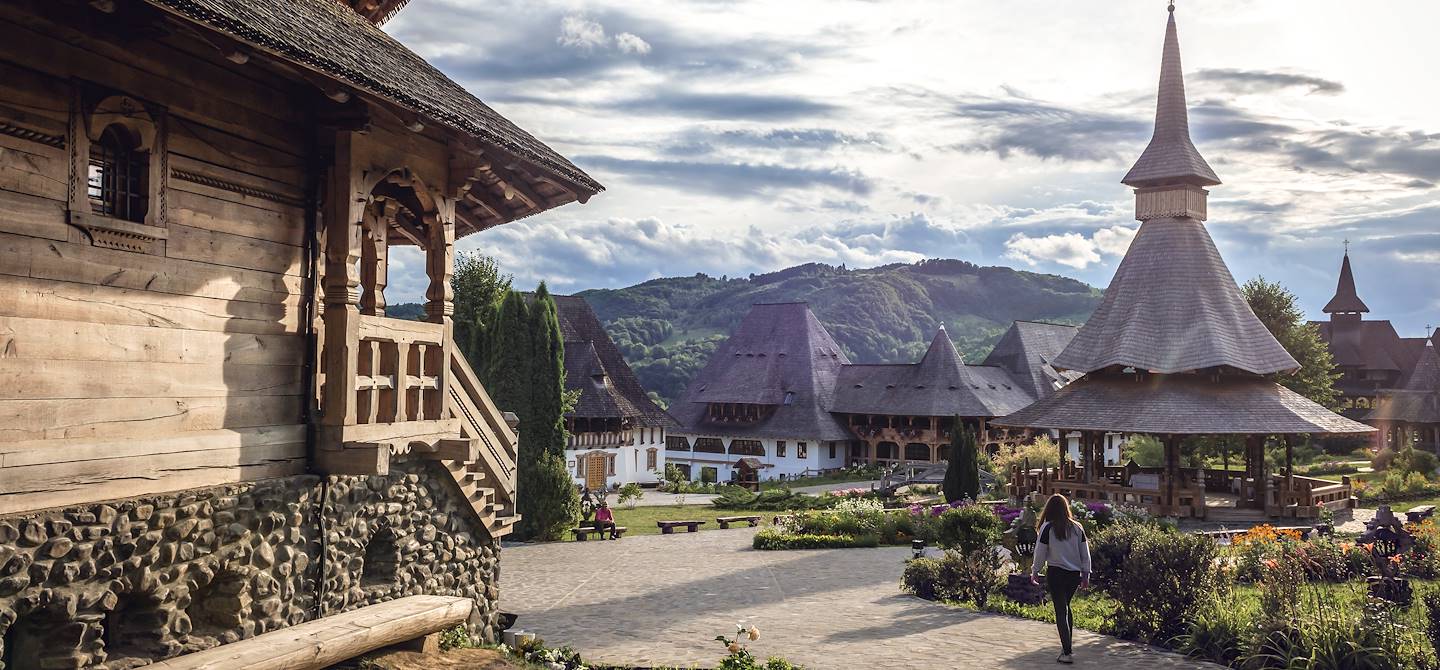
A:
[120,584]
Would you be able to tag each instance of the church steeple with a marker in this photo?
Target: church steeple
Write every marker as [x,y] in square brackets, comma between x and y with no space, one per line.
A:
[1347,302]
[1169,176]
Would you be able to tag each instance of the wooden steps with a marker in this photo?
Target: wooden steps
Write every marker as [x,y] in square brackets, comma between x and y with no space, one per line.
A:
[340,637]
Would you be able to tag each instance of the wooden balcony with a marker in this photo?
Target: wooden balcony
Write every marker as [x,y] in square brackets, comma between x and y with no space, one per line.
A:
[601,440]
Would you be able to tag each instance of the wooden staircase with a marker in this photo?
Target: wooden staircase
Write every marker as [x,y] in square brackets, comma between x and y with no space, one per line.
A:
[487,479]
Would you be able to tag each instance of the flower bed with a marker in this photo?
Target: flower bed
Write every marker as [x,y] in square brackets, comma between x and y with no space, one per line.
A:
[772,538]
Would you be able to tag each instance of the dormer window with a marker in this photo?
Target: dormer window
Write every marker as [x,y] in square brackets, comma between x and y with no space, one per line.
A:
[118,179]
[789,397]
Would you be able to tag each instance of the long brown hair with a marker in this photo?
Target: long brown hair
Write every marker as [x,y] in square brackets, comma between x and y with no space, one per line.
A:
[1057,514]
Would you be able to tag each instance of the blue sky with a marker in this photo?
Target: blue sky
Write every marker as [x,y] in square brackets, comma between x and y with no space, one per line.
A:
[739,137]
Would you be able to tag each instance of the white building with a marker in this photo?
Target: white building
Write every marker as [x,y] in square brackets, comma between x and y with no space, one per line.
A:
[765,393]
[617,434]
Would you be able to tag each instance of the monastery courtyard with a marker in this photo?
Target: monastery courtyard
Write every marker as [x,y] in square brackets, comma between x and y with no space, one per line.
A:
[660,600]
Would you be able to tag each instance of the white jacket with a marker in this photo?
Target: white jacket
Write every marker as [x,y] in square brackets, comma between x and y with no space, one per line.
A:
[1071,553]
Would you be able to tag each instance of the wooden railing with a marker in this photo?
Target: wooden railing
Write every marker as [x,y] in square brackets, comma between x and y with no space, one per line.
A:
[601,440]
[481,420]
[400,371]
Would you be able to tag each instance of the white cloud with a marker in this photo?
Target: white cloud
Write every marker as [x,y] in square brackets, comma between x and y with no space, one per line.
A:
[1071,249]
[630,43]
[1427,256]
[1113,241]
[581,33]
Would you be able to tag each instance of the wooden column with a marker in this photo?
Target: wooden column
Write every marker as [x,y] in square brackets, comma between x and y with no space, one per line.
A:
[343,207]
[439,298]
[1172,470]
[374,261]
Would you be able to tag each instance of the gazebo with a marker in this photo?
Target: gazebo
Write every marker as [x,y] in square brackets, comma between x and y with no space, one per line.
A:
[1174,351]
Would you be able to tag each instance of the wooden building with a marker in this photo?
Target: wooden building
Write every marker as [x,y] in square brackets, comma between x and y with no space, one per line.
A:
[1379,367]
[1174,351]
[617,433]
[906,412]
[208,427]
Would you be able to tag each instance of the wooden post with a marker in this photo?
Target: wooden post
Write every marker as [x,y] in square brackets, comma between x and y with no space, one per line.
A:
[374,261]
[439,305]
[1172,457]
[343,209]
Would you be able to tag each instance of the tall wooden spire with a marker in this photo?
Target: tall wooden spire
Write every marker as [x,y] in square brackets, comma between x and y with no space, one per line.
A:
[1171,158]
[1346,300]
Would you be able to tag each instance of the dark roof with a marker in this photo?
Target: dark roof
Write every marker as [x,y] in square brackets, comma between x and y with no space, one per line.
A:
[594,366]
[1171,158]
[1424,376]
[1027,351]
[376,11]
[334,41]
[777,349]
[939,385]
[1369,345]
[1190,404]
[1174,307]
[1418,398]
[1345,300]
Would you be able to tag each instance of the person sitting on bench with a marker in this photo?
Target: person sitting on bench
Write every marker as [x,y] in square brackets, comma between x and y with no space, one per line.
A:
[604,519]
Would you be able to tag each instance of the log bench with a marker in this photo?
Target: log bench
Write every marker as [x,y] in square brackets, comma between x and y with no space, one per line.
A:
[1419,513]
[725,521]
[668,527]
[583,533]
[340,637]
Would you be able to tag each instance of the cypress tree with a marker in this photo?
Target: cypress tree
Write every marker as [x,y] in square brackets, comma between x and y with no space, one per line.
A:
[547,391]
[969,465]
[508,378]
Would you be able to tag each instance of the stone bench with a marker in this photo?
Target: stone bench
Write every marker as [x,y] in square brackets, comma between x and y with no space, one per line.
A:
[583,533]
[668,527]
[725,521]
[340,637]
[1419,513]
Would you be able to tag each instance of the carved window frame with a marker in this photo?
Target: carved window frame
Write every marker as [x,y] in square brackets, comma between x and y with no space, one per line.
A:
[93,110]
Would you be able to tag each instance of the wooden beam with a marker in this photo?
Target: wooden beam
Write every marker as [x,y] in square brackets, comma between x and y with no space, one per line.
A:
[514,183]
[459,449]
[487,200]
[354,458]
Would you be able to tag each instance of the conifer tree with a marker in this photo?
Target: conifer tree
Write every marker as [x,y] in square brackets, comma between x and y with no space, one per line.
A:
[547,392]
[508,373]
[962,475]
[479,289]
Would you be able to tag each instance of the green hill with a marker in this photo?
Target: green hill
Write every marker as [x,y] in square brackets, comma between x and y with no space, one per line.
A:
[668,327]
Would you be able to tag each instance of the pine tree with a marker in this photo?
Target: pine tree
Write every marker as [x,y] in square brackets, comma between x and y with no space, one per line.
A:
[508,372]
[969,464]
[547,390]
[549,501]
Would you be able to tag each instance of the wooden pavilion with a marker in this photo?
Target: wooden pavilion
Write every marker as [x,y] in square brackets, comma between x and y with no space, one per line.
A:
[1174,351]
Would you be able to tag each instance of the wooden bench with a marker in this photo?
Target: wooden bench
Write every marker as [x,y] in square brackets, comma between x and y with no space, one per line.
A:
[324,642]
[668,527]
[1419,513]
[725,521]
[583,533]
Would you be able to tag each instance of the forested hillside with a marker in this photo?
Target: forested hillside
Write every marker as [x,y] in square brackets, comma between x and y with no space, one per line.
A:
[668,327]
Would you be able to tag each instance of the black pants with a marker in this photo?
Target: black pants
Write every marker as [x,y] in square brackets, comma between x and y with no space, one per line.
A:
[1063,584]
[600,527]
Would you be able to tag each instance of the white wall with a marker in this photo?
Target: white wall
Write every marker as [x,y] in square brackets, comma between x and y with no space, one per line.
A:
[817,457]
[1113,443]
[630,461]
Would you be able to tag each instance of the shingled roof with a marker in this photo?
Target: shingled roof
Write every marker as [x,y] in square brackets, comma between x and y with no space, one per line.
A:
[776,350]
[1181,405]
[1174,307]
[1418,398]
[1171,158]
[1027,351]
[1345,300]
[332,40]
[940,384]
[595,367]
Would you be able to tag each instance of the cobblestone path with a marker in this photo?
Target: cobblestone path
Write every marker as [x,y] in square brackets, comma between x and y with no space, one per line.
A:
[662,599]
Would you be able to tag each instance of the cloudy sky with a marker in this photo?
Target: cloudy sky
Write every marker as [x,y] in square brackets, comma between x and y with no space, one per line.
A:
[739,137]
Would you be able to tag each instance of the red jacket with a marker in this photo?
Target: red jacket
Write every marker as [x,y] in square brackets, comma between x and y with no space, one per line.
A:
[603,514]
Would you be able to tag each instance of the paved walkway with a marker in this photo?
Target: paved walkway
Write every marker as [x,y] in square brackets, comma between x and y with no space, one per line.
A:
[662,599]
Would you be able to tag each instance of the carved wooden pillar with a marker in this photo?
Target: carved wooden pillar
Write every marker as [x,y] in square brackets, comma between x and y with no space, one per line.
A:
[375,259]
[439,297]
[343,208]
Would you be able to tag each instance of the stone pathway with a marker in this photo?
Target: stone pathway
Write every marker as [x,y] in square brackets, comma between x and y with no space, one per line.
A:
[662,599]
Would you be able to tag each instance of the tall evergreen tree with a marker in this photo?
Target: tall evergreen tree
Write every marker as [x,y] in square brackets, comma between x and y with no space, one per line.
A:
[962,475]
[508,372]
[1279,310]
[547,392]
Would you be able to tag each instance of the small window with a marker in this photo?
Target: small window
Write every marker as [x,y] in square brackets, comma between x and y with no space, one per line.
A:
[118,178]
[789,398]
[832,450]
[801,451]
[780,449]
[677,443]
[650,459]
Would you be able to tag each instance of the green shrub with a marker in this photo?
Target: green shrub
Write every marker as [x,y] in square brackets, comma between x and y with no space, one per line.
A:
[776,539]
[1216,631]
[1167,576]
[630,494]
[1109,547]
[969,528]
[921,578]
[1412,460]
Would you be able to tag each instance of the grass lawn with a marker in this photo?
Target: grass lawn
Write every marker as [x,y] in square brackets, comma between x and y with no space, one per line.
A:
[641,520]
[833,478]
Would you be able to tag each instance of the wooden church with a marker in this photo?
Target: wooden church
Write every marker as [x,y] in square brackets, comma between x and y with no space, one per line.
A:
[209,430]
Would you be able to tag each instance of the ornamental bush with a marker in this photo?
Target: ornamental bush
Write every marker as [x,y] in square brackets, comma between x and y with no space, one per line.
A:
[968,577]
[771,539]
[969,528]
[1167,576]
[1109,547]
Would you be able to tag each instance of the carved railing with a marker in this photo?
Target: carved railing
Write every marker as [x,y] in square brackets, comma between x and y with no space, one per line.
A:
[400,371]
[481,420]
[601,440]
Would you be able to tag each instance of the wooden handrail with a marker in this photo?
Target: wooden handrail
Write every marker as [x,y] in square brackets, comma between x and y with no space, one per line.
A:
[480,419]
[400,330]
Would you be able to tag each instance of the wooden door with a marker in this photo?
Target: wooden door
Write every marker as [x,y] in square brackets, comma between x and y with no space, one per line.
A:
[595,472]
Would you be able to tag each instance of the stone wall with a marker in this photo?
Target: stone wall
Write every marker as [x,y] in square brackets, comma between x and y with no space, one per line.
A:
[119,584]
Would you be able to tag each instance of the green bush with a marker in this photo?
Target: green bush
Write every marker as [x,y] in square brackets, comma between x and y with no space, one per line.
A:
[921,578]
[969,528]
[1412,460]
[771,539]
[955,576]
[1167,576]
[1217,631]
[770,500]
[1109,547]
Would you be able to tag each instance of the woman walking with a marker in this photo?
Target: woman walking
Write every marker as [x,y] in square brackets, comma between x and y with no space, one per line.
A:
[1061,543]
